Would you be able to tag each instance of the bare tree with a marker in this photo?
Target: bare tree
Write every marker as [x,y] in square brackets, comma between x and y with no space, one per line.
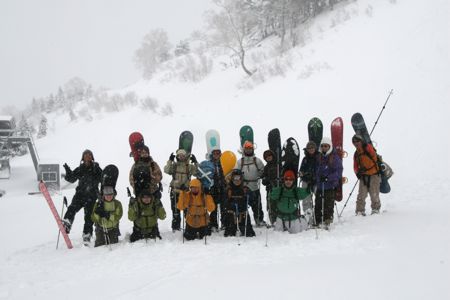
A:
[154,50]
[234,27]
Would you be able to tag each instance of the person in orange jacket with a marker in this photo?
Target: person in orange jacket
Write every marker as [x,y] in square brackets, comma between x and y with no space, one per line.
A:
[196,206]
[365,164]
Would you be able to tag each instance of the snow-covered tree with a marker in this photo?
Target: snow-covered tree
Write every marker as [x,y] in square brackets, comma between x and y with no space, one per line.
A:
[182,48]
[42,131]
[24,128]
[155,49]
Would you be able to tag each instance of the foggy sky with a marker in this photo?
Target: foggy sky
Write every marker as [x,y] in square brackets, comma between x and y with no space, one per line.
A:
[44,43]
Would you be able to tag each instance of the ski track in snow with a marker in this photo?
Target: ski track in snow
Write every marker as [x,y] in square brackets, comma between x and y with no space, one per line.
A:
[403,253]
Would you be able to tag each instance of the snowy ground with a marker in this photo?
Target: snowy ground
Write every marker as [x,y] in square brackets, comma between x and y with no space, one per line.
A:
[404,253]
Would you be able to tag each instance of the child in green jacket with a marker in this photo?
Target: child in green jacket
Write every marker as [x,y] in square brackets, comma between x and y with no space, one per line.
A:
[106,215]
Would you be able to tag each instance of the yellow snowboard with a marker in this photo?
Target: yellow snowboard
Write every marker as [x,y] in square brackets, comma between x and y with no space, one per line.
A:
[228,161]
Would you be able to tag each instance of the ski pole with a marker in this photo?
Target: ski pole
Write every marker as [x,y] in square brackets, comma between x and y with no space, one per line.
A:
[337,213]
[184,218]
[314,212]
[237,222]
[246,214]
[391,92]
[323,201]
[62,213]
[106,233]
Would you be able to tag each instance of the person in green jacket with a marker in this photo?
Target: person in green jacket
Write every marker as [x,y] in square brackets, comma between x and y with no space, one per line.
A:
[286,202]
[145,213]
[106,215]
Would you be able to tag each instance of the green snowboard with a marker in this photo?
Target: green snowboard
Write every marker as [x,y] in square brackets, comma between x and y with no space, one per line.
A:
[315,131]
[185,142]
[246,134]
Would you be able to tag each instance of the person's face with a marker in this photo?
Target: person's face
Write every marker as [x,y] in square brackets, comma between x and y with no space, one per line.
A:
[195,190]
[181,157]
[356,143]
[289,182]
[216,154]
[248,151]
[146,199]
[108,198]
[237,180]
[269,158]
[325,148]
[311,150]
[144,153]
[87,157]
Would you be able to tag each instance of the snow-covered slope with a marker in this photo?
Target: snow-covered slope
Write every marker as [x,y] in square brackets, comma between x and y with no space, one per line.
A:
[404,253]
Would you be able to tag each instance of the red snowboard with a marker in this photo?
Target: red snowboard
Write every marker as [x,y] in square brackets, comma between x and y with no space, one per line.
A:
[47,197]
[337,137]
[135,139]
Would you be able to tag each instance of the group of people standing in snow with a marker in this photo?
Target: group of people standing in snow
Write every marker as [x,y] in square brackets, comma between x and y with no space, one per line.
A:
[201,210]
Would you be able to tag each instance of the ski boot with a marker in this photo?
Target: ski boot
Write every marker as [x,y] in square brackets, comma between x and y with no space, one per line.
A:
[87,238]
[375,212]
[360,213]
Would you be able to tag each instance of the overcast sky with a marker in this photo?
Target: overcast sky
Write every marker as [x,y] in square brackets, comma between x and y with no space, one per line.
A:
[44,43]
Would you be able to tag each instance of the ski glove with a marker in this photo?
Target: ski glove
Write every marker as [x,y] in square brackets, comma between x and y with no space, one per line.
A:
[100,210]
[172,157]
[193,159]
[323,179]
[67,168]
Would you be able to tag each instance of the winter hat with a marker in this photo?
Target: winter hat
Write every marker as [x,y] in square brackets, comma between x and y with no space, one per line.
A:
[311,144]
[145,192]
[327,141]
[87,151]
[195,183]
[108,190]
[248,145]
[268,153]
[289,174]
[181,152]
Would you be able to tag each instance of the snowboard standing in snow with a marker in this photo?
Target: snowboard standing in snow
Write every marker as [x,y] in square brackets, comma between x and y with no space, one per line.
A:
[48,198]
[337,138]
[315,131]
[385,171]
[136,141]
[290,156]
[274,140]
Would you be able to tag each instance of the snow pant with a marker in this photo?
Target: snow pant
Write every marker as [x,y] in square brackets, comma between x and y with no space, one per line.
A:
[328,210]
[78,202]
[102,237]
[368,185]
[255,204]
[191,233]
[292,226]
[272,213]
[219,199]
[176,218]
[232,223]
[307,205]
[137,234]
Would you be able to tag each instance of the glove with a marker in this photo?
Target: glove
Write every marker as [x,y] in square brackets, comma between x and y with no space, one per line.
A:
[172,157]
[100,210]
[323,179]
[66,167]
[193,159]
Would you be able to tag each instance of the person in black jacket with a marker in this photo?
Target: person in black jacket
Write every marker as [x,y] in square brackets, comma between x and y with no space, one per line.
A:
[270,179]
[89,176]
[307,175]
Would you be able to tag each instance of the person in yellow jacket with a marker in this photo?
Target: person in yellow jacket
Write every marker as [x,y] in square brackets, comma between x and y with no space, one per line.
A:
[197,207]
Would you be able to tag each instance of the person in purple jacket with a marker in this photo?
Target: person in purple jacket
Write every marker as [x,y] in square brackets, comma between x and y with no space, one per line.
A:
[328,173]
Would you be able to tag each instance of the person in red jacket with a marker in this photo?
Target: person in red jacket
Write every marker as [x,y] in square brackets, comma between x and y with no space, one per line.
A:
[365,164]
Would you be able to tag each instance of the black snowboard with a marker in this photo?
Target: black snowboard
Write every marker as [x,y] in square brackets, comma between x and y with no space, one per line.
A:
[109,176]
[360,128]
[315,131]
[142,179]
[185,141]
[290,156]
[274,140]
